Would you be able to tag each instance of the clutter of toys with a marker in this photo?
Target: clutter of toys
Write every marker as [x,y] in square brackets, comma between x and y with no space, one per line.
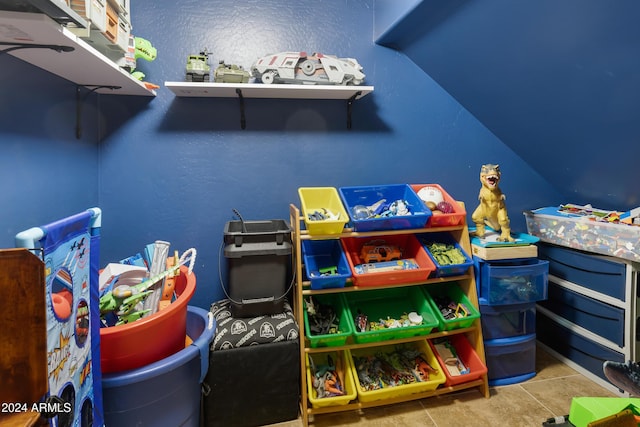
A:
[102,324]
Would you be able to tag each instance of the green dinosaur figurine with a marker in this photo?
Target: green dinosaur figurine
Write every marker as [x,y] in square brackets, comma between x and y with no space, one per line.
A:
[144,50]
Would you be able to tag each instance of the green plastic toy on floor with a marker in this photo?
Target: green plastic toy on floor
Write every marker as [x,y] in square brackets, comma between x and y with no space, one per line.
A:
[625,376]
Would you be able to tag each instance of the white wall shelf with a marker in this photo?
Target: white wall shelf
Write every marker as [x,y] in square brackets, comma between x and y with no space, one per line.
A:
[83,65]
[260,90]
[270,91]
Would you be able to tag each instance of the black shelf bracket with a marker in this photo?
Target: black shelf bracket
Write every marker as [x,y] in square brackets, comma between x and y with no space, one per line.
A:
[16,46]
[80,101]
[350,107]
[243,120]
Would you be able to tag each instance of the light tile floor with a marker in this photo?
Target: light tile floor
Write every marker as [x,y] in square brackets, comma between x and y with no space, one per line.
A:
[526,404]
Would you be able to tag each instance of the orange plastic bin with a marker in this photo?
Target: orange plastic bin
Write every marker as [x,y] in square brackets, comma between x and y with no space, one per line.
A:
[151,338]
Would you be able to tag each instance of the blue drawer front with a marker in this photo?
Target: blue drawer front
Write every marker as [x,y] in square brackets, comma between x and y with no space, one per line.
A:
[505,321]
[573,346]
[598,317]
[510,357]
[601,275]
[512,282]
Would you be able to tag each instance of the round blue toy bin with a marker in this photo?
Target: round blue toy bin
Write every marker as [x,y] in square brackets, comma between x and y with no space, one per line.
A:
[166,392]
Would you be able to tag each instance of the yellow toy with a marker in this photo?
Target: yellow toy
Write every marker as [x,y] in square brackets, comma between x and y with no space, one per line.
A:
[492,210]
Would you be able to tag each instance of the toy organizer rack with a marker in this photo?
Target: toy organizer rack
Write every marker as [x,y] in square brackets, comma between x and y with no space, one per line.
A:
[466,281]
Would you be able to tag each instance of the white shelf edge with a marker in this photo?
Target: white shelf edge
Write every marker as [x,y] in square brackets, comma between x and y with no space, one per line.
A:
[83,66]
[259,90]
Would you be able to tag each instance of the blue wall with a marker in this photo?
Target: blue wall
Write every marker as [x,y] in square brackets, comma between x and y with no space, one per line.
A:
[556,81]
[174,168]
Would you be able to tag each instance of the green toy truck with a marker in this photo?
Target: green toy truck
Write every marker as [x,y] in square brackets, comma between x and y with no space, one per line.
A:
[230,73]
[198,68]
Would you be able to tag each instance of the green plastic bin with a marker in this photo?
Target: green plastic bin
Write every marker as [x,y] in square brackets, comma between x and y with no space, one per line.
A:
[453,292]
[344,323]
[390,303]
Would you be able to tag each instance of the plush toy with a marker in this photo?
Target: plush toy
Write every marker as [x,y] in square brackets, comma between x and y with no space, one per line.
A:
[492,210]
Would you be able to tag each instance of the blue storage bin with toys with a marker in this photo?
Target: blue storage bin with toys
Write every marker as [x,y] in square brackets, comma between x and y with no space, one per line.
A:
[384,207]
[517,281]
[451,306]
[325,263]
[447,254]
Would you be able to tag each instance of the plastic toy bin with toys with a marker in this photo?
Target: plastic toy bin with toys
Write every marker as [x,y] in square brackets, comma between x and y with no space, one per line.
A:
[165,392]
[322,210]
[330,379]
[384,207]
[459,360]
[588,229]
[374,385]
[325,264]
[385,260]
[451,306]
[390,313]
[328,324]
[151,338]
[445,210]
[506,282]
[447,254]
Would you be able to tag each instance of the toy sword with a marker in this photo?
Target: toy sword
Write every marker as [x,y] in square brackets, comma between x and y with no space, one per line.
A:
[123,299]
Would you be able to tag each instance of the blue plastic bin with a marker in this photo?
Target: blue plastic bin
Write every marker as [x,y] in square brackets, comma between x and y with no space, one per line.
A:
[166,392]
[367,196]
[320,254]
[445,270]
[506,282]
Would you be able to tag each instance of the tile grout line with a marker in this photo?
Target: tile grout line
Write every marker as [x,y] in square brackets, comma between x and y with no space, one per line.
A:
[428,414]
[538,401]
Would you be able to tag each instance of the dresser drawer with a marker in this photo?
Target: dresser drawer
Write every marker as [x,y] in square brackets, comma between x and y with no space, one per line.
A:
[599,274]
[570,344]
[598,317]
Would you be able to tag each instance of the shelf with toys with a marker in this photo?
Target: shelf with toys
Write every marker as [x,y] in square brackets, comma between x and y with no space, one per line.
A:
[393,292]
[272,91]
[39,40]
[283,75]
[261,90]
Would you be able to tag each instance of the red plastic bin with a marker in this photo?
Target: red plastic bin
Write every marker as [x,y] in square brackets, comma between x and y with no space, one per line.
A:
[151,338]
[411,249]
[467,356]
[444,220]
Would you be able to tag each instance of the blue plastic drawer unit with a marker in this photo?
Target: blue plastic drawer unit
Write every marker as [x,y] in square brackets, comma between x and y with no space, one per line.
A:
[598,317]
[568,343]
[601,275]
[507,321]
[511,360]
[512,281]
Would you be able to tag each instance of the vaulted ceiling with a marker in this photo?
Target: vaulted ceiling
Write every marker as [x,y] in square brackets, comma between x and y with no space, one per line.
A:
[558,82]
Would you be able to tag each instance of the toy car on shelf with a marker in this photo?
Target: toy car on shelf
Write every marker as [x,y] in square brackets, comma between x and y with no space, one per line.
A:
[300,68]
[198,68]
[230,73]
[379,251]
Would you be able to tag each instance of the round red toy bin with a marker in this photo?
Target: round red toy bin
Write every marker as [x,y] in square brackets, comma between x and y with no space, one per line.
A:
[151,338]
